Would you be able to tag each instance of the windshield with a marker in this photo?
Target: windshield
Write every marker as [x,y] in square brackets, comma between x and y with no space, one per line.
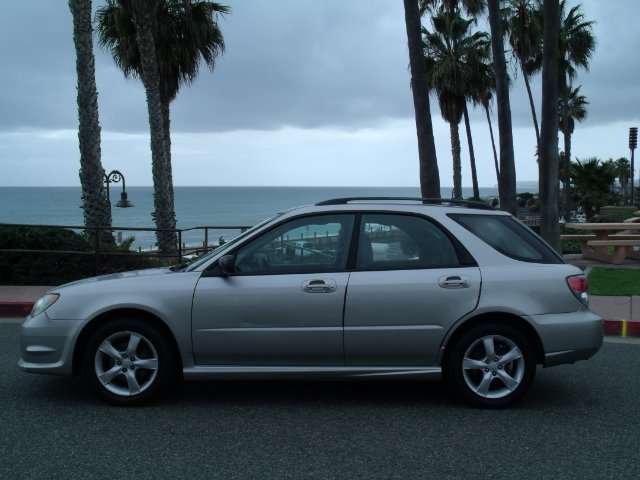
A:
[199,262]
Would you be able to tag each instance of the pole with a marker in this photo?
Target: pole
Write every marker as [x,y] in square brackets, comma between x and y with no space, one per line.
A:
[632,171]
[633,143]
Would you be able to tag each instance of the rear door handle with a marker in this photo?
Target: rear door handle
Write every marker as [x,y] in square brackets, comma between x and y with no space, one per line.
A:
[319,286]
[453,281]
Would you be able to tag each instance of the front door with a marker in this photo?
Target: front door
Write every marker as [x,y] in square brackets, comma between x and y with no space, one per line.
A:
[284,303]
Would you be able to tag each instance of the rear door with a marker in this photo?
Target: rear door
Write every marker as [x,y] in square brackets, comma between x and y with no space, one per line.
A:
[411,282]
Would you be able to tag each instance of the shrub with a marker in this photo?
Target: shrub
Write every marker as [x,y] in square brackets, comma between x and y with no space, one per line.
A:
[69,256]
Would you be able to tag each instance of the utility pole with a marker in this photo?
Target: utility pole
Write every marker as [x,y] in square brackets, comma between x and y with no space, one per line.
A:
[633,143]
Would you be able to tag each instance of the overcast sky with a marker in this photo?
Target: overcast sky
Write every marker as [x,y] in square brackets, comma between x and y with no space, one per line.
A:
[308,92]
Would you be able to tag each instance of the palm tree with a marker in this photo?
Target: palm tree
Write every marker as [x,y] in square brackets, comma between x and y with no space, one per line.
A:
[592,181]
[548,153]
[486,87]
[576,42]
[473,8]
[143,14]
[523,21]
[572,108]
[576,45]
[452,57]
[480,92]
[623,169]
[95,204]
[429,174]
[507,181]
[185,32]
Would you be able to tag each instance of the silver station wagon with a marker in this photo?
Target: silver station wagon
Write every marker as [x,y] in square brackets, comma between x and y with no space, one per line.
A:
[375,288]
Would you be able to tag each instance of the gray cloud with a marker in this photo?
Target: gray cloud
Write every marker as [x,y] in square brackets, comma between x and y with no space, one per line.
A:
[298,63]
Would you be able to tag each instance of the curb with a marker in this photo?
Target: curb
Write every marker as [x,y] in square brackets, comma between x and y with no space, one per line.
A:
[612,328]
[15,309]
[622,328]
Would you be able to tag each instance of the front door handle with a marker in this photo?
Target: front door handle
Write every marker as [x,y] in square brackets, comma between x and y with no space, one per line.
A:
[319,286]
[453,281]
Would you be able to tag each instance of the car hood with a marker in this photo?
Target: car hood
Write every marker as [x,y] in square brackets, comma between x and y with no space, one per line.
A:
[149,272]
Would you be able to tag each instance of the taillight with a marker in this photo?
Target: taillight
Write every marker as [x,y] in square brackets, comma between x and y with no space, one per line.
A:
[580,287]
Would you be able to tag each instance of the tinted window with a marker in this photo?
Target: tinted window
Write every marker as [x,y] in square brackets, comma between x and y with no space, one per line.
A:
[389,241]
[311,244]
[509,237]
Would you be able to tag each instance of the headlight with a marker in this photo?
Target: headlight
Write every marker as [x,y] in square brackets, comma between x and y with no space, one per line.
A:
[43,303]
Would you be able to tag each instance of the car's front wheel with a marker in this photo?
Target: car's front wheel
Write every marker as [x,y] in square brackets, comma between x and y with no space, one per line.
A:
[491,365]
[128,362]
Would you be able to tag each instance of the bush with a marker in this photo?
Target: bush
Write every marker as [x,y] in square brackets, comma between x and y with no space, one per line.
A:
[69,256]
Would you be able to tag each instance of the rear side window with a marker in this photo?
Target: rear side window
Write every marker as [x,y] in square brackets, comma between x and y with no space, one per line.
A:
[390,242]
[509,237]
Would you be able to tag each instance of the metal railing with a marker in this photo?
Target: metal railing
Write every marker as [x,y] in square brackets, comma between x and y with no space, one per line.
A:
[101,249]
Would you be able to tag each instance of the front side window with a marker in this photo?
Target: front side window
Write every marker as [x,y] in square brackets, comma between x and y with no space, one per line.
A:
[389,241]
[509,237]
[318,243]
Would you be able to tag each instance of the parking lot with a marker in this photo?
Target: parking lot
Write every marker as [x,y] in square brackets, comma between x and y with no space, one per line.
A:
[579,421]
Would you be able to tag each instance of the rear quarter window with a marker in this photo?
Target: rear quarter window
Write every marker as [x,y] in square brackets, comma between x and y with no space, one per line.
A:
[509,237]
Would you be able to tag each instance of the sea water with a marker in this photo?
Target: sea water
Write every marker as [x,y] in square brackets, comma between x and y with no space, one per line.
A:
[195,206]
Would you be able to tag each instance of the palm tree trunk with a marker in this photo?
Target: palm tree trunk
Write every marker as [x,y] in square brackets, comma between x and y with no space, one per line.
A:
[472,155]
[548,158]
[493,145]
[429,174]
[166,128]
[507,163]
[533,108]
[163,215]
[457,163]
[567,157]
[95,204]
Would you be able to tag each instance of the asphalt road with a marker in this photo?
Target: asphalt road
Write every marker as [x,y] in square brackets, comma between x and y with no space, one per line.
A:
[579,421]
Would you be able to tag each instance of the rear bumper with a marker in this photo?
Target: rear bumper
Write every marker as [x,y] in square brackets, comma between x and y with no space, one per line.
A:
[569,337]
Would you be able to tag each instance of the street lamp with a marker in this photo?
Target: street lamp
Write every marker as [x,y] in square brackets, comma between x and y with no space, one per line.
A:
[633,143]
[114,176]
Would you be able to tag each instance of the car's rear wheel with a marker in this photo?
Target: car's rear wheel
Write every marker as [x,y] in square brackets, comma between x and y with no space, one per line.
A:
[128,362]
[491,366]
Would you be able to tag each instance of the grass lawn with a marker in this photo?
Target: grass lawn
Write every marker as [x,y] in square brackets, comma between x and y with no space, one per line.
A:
[614,281]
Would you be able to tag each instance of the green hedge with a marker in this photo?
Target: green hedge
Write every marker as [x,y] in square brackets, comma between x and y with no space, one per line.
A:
[50,268]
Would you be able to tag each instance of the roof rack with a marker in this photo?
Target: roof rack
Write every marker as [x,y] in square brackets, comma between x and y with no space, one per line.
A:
[425,201]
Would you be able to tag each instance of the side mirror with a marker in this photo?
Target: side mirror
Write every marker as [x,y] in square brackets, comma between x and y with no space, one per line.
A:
[227,264]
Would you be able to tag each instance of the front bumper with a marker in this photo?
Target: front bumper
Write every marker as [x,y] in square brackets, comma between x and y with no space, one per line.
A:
[46,345]
[569,337]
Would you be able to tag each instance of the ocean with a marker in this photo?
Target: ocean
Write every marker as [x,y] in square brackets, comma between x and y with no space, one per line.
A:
[195,206]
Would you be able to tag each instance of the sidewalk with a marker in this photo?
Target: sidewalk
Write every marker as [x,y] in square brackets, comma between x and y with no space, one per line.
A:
[621,314]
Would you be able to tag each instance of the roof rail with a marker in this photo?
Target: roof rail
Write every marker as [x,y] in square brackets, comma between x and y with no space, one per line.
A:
[425,201]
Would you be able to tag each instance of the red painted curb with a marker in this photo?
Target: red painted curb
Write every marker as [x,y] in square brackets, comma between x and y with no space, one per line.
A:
[15,309]
[622,328]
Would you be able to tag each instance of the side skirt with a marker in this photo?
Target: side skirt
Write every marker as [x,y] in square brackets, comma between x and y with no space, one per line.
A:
[225,372]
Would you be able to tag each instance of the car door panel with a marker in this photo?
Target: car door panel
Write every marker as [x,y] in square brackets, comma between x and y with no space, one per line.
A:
[400,317]
[269,319]
[283,301]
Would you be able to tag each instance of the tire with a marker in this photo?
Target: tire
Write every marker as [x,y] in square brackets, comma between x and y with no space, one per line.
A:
[128,362]
[491,366]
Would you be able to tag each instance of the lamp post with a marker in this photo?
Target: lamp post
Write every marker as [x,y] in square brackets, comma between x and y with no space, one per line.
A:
[633,143]
[114,176]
